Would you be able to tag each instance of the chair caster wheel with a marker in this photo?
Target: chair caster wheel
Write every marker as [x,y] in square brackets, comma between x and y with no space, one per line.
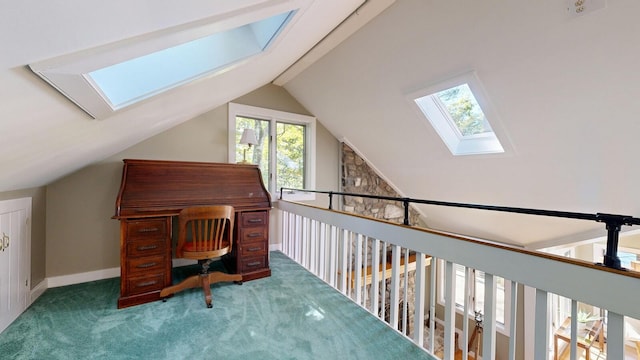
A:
[209,306]
[238,282]
[164,300]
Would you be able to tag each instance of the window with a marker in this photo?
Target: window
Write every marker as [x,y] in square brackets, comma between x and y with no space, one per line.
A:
[285,152]
[457,110]
[112,77]
[476,293]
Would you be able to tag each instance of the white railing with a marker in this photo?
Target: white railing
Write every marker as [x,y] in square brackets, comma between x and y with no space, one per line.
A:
[349,252]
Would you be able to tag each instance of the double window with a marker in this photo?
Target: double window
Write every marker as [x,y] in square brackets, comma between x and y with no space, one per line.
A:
[285,149]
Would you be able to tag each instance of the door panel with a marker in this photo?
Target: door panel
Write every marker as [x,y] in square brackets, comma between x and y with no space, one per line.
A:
[15,257]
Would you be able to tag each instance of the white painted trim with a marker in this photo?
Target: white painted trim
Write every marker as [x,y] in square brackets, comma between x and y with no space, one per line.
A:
[79,278]
[275,247]
[38,290]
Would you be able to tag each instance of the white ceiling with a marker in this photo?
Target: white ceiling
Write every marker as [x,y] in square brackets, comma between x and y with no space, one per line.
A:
[564,89]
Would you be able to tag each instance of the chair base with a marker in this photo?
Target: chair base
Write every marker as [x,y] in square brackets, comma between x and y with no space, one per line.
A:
[201,280]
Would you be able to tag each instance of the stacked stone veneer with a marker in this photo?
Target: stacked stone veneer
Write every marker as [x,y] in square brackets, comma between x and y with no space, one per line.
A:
[359,178]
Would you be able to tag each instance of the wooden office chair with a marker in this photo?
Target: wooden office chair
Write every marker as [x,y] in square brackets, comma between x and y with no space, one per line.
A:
[211,236]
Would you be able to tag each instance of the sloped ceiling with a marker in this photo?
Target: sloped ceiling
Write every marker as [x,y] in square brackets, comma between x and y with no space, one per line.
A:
[45,136]
[565,90]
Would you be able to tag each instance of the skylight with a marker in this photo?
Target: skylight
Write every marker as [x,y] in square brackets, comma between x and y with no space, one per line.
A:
[106,79]
[136,79]
[454,111]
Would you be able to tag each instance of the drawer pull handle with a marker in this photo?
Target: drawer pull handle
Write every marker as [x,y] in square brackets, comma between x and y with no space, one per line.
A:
[147,247]
[255,221]
[254,249]
[147,265]
[147,283]
[254,263]
[255,234]
[146,230]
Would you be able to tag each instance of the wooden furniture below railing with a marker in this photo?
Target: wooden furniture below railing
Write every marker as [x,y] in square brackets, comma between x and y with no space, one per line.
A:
[367,275]
[591,333]
[153,192]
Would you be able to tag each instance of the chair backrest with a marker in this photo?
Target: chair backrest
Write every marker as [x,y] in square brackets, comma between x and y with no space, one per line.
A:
[205,231]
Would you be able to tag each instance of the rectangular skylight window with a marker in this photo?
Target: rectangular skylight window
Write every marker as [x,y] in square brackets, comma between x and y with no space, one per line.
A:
[111,77]
[133,80]
[454,110]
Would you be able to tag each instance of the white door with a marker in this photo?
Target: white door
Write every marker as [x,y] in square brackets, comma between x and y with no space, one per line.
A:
[15,259]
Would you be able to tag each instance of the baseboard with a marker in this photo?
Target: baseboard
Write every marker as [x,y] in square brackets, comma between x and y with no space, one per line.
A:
[275,247]
[64,280]
[38,290]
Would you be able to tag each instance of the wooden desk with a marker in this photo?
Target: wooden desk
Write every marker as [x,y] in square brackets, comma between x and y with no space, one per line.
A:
[152,192]
[586,336]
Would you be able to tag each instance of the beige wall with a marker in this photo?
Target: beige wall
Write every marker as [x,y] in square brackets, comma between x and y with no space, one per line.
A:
[82,237]
[38,237]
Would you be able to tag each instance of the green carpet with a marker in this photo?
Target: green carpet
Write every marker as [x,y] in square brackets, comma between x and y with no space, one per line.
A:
[290,315]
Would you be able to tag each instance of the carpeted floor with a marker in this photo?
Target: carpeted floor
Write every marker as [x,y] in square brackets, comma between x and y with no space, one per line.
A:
[290,315]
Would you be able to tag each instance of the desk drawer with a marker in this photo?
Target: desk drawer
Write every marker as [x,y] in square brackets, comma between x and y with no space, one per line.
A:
[146,229]
[146,247]
[253,248]
[253,263]
[253,218]
[139,285]
[253,234]
[146,265]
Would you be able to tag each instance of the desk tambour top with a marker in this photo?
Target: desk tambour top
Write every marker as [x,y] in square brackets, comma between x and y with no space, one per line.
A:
[157,188]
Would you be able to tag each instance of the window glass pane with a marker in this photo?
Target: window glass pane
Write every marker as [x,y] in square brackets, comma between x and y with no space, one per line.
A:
[133,80]
[626,258]
[500,295]
[290,152]
[460,278]
[257,154]
[464,110]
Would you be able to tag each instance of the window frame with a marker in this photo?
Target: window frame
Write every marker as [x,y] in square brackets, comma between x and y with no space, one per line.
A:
[274,117]
[490,143]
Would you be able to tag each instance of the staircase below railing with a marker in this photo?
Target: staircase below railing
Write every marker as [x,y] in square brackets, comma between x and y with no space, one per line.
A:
[356,255]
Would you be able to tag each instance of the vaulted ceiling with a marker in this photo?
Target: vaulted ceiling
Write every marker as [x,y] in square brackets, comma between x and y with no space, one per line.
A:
[563,87]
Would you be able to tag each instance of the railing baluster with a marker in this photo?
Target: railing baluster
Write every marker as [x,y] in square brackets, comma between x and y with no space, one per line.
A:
[358,269]
[405,294]
[574,331]
[418,317]
[432,303]
[375,276]
[383,284]
[395,286]
[345,260]
[332,256]
[541,338]
[489,322]
[615,335]
[322,252]
[365,263]
[449,310]
[513,313]
[465,318]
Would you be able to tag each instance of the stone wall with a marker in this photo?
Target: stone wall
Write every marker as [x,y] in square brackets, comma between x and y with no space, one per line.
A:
[359,178]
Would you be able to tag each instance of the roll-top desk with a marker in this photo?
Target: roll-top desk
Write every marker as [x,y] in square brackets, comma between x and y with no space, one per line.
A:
[152,192]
